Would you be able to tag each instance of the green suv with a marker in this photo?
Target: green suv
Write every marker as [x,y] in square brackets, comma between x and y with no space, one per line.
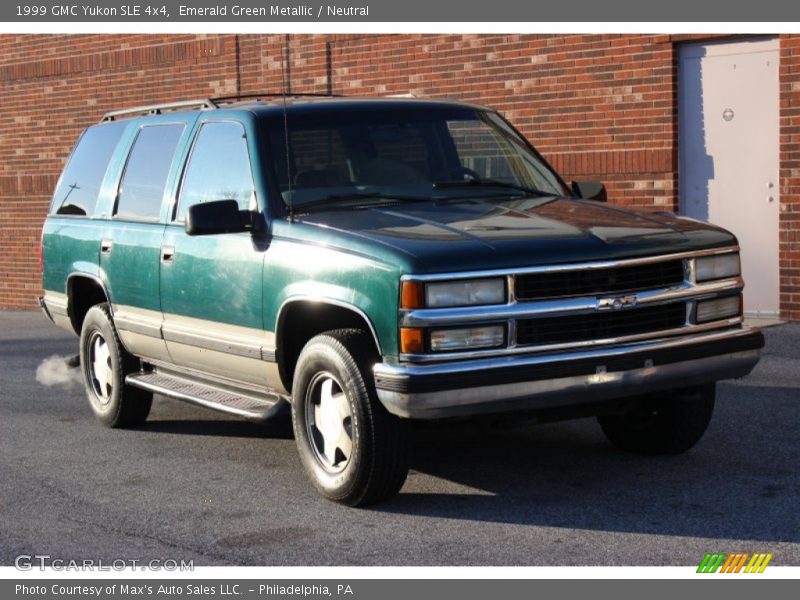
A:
[373,261]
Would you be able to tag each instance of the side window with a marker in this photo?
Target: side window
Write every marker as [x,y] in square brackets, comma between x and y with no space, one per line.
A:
[146,171]
[218,169]
[83,175]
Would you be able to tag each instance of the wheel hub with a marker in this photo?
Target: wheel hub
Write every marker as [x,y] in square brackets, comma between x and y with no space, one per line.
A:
[329,420]
[100,370]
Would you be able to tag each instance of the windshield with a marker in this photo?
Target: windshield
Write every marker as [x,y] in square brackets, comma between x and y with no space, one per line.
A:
[347,157]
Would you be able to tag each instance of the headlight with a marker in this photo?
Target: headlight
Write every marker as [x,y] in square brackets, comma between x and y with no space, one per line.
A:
[717,267]
[466,339]
[721,308]
[472,292]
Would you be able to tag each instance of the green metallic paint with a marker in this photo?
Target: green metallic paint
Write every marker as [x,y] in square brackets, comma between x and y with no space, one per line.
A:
[496,233]
[131,269]
[128,270]
[352,258]
[216,278]
[313,269]
[70,246]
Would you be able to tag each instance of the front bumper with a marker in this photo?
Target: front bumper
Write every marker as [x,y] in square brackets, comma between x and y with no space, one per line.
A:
[538,381]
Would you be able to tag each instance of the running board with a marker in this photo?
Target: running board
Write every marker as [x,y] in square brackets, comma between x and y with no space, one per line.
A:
[209,396]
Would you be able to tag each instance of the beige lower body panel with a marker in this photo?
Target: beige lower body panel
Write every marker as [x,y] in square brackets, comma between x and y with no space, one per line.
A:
[238,353]
[214,362]
[140,332]
[144,346]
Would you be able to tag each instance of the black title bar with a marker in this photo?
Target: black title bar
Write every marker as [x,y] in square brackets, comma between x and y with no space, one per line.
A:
[443,11]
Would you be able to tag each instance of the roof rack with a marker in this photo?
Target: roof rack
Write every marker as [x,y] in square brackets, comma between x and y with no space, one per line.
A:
[260,95]
[204,103]
[157,109]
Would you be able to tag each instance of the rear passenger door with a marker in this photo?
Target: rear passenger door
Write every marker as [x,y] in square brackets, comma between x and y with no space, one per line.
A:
[131,245]
[211,286]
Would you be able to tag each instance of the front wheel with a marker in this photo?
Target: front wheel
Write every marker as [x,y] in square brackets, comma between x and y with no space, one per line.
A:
[669,424]
[354,451]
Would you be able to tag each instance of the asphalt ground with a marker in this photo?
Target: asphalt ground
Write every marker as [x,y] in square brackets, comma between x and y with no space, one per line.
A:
[192,484]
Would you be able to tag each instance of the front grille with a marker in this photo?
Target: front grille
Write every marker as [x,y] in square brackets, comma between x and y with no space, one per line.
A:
[601,325]
[592,282]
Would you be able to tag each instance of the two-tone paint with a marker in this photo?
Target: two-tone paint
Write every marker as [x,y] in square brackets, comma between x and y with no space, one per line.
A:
[215,304]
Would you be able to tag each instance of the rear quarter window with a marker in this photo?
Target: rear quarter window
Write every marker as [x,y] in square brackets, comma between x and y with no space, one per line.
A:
[79,186]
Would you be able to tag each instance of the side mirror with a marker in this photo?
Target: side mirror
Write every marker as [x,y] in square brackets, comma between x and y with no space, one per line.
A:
[220,216]
[589,190]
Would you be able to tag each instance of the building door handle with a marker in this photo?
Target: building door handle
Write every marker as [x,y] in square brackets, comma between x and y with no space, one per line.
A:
[167,254]
[105,246]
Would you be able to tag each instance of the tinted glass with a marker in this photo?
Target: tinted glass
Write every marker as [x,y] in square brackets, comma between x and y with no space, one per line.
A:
[538,173]
[80,183]
[405,152]
[320,157]
[146,172]
[218,169]
[494,153]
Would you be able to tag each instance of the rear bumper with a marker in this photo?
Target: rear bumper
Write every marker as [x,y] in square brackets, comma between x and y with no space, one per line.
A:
[554,380]
[43,306]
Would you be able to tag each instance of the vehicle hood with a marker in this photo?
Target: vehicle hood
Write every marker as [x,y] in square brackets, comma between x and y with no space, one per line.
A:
[439,236]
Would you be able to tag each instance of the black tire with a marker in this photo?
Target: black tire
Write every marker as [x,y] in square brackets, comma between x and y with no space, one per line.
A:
[377,464]
[113,403]
[669,424]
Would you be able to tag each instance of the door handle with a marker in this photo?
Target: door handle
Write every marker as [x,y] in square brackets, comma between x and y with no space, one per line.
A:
[105,246]
[167,254]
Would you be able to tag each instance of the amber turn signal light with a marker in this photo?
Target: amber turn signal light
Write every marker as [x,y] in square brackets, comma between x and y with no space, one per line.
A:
[412,294]
[412,340]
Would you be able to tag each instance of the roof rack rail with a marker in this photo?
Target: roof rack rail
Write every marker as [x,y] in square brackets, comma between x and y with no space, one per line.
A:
[259,95]
[157,109]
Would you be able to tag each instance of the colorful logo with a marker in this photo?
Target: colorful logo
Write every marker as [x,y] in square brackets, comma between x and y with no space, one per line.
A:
[736,562]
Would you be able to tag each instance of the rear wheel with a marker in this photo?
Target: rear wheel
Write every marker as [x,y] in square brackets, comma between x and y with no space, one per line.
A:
[354,451]
[104,364]
[669,424]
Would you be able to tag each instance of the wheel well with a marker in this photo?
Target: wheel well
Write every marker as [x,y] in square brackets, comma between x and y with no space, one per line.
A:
[83,293]
[302,320]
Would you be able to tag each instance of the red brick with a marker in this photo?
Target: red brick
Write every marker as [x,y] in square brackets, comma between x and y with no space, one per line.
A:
[602,106]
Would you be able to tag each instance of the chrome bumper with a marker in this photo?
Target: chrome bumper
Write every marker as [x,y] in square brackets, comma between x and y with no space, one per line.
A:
[429,391]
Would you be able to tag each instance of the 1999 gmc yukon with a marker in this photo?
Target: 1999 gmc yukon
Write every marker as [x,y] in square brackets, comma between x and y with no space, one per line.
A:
[372,261]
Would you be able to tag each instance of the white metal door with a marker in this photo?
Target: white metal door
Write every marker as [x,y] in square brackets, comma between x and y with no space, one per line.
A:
[729,153]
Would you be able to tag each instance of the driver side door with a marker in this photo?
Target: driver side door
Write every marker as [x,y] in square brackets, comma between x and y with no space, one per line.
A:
[211,286]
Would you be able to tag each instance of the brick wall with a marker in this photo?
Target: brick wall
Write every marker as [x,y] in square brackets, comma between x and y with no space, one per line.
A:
[598,106]
[790,177]
[53,87]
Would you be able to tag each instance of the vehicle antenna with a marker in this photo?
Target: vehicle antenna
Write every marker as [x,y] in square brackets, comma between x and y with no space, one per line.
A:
[285,84]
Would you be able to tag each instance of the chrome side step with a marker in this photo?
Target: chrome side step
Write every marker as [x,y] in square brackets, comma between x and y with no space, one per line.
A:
[248,406]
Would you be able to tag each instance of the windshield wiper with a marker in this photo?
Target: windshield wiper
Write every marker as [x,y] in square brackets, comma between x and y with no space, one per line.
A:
[440,185]
[354,200]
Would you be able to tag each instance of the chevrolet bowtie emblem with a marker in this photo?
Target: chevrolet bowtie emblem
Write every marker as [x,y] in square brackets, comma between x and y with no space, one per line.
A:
[616,302]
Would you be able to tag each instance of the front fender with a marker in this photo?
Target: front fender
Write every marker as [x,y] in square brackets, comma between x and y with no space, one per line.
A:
[302,272]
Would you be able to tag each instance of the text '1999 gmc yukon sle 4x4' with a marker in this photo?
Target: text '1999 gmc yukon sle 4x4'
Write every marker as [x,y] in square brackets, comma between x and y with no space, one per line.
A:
[374,261]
